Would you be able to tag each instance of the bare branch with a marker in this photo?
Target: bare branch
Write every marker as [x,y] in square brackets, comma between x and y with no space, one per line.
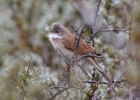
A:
[115,82]
[85,72]
[54,84]
[99,97]
[60,91]
[128,3]
[94,23]
[96,14]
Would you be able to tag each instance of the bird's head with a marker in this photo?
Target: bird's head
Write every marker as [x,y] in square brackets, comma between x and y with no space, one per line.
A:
[59,29]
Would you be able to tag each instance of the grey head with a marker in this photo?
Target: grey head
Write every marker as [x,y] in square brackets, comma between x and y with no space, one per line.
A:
[59,29]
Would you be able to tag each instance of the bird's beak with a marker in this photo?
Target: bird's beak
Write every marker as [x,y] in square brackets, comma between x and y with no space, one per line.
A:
[50,31]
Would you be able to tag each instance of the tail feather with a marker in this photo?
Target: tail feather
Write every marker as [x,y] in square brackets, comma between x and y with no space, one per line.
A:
[98,68]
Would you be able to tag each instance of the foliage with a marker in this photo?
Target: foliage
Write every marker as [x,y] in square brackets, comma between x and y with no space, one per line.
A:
[30,69]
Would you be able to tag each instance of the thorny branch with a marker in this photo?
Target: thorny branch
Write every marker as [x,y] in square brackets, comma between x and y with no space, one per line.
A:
[94,23]
[95,82]
[60,91]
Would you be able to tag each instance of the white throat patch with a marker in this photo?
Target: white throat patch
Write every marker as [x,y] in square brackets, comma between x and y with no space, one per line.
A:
[54,36]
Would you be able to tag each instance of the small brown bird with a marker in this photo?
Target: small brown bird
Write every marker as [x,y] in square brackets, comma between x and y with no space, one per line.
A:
[63,41]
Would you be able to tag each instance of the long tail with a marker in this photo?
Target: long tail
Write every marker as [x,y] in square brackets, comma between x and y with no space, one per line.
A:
[98,68]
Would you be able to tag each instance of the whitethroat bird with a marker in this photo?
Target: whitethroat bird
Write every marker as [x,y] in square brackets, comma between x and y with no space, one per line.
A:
[64,42]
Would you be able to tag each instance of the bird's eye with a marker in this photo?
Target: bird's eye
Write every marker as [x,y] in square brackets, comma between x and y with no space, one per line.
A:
[57,31]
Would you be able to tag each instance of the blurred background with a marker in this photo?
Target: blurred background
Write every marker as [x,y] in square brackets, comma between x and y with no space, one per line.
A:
[28,59]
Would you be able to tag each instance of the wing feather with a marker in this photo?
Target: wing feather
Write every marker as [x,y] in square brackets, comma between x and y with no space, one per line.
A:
[83,47]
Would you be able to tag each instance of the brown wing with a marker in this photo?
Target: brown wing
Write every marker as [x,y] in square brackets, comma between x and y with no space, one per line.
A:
[83,47]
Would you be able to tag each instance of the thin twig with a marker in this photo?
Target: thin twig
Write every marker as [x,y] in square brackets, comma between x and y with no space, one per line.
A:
[128,3]
[54,84]
[77,41]
[85,72]
[114,30]
[95,82]
[94,23]
[99,97]
[60,91]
